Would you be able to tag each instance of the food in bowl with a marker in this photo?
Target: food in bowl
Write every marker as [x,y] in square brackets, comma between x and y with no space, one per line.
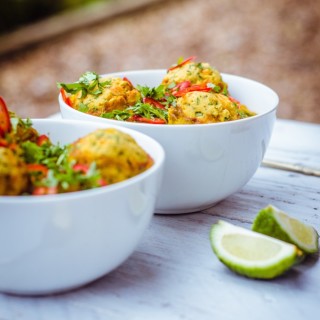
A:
[190,93]
[116,155]
[197,73]
[96,95]
[205,163]
[58,242]
[31,164]
[205,107]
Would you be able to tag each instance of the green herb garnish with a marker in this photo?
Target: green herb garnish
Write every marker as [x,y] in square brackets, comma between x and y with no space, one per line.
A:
[214,87]
[148,111]
[144,110]
[47,154]
[61,172]
[122,115]
[89,83]
[155,92]
[66,177]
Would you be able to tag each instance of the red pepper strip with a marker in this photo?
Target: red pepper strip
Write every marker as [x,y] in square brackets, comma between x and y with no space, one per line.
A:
[36,167]
[154,103]
[190,89]
[40,191]
[84,168]
[182,63]
[126,79]
[13,146]
[79,167]
[65,98]
[138,118]
[3,142]
[102,182]
[5,124]
[180,86]
[234,100]
[42,140]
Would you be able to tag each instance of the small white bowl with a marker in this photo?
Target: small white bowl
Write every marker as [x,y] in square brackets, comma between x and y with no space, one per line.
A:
[205,163]
[57,242]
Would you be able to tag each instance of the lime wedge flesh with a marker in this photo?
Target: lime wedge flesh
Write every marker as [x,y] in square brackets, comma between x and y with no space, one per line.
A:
[275,223]
[250,253]
[243,247]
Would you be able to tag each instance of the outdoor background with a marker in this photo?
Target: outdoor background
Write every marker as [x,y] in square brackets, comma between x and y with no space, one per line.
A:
[276,42]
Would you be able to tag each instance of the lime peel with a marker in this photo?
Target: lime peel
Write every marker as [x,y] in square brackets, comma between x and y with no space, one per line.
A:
[275,223]
[250,253]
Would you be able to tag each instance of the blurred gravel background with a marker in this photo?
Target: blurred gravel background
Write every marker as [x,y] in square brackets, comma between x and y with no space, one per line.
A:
[276,42]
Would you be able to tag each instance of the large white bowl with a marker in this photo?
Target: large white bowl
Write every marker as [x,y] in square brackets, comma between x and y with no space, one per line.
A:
[57,242]
[205,163]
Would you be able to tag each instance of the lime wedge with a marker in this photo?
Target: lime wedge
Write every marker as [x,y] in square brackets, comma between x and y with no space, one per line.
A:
[275,223]
[250,253]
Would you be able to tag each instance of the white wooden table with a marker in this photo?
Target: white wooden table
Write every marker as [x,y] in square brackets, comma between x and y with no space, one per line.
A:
[175,275]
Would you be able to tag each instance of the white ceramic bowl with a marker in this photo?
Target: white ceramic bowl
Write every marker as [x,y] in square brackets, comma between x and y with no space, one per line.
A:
[57,242]
[205,163]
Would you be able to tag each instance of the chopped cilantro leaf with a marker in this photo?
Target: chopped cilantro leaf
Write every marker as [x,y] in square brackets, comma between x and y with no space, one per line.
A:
[171,85]
[225,91]
[89,83]
[46,154]
[142,109]
[60,169]
[214,87]
[180,60]
[117,114]
[83,107]
[148,111]
[155,92]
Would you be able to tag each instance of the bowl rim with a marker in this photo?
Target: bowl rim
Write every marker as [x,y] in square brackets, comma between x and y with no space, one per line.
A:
[133,125]
[158,163]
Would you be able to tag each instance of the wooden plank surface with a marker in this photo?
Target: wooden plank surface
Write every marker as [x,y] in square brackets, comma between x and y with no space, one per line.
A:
[295,142]
[173,274]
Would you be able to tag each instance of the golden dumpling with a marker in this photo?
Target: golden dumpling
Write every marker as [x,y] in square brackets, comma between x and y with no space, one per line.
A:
[205,107]
[13,173]
[116,94]
[196,73]
[115,153]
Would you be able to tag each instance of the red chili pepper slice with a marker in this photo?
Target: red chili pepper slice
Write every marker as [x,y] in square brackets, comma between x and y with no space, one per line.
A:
[154,103]
[195,87]
[138,118]
[237,102]
[65,98]
[5,124]
[13,146]
[102,182]
[40,191]
[42,139]
[126,79]
[36,167]
[80,167]
[182,63]
[180,86]
[3,142]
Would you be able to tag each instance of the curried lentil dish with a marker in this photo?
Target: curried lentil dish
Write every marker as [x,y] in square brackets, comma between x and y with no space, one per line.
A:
[190,93]
[30,164]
